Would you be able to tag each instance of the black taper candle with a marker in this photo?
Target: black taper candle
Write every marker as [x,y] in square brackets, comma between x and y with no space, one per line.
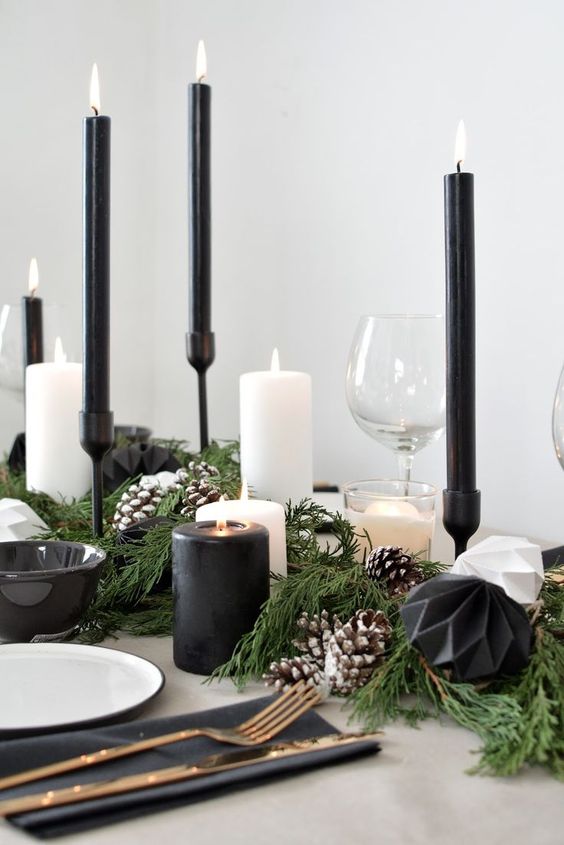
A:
[220,580]
[32,321]
[461,499]
[96,419]
[200,341]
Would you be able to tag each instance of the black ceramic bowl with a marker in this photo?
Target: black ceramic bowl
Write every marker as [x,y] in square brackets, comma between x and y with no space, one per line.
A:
[45,588]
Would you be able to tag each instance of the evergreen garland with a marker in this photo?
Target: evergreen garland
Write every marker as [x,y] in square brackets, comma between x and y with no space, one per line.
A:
[520,720]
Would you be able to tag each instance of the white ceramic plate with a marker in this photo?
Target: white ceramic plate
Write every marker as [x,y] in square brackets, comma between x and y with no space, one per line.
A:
[51,686]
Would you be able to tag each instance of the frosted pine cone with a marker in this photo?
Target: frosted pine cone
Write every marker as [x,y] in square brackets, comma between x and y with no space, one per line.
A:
[199,493]
[314,639]
[138,503]
[355,650]
[391,566]
[291,670]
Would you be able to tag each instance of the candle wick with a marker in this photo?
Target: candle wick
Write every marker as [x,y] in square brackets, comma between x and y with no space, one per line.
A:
[458,163]
[95,110]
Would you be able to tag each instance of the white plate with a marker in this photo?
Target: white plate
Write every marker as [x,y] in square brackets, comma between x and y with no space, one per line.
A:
[51,686]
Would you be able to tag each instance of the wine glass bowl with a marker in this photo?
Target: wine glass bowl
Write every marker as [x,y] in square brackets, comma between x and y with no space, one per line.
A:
[395,382]
[558,420]
[11,350]
[12,344]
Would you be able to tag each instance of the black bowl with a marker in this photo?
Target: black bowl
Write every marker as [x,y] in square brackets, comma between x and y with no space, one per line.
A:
[45,588]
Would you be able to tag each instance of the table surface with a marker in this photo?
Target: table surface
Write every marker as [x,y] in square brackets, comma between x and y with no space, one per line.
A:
[415,792]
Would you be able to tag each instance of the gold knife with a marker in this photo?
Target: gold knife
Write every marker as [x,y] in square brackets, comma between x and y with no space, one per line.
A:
[207,766]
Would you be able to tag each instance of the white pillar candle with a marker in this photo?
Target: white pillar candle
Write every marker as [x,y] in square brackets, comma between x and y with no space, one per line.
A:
[55,461]
[269,514]
[276,433]
[393,524]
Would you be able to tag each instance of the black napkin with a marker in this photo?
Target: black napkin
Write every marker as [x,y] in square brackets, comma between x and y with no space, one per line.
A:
[20,754]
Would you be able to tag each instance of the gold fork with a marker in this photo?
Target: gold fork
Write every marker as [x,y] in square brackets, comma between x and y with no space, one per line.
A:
[266,724]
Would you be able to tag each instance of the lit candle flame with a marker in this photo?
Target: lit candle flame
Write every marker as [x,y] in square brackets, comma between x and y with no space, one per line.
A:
[244,497]
[60,356]
[221,521]
[201,62]
[460,146]
[95,90]
[275,362]
[33,277]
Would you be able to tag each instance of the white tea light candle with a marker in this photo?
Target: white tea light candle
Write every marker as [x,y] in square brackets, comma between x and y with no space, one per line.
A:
[269,514]
[276,433]
[392,513]
[55,461]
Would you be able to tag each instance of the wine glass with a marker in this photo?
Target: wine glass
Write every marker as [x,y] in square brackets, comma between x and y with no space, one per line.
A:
[11,350]
[11,344]
[396,382]
[558,420]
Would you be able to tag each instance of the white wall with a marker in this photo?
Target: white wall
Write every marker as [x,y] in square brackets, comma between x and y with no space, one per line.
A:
[333,124]
[46,55]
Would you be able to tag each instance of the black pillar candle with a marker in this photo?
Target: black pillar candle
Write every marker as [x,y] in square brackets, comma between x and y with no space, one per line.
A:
[461,498]
[96,419]
[32,321]
[220,579]
[200,348]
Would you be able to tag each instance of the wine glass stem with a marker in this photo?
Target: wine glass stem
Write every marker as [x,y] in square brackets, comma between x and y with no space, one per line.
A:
[405,462]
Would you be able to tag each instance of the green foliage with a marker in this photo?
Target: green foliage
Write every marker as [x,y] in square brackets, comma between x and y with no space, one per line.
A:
[519,720]
[320,577]
[125,600]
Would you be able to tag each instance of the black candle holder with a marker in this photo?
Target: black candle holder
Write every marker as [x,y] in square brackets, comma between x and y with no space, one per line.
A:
[96,438]
[200,351]
[461,517]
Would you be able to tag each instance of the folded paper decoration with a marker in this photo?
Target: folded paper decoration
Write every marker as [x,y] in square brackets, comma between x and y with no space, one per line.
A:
[468,625]
[16,458]
[18,521]
[510,562]
[140,458]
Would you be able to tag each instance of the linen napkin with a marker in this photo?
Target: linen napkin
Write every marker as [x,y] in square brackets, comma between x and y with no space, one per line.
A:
[19,754]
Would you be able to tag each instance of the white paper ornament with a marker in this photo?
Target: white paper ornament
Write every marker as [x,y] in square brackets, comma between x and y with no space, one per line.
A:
[18,521]
[164,479]
[511,562]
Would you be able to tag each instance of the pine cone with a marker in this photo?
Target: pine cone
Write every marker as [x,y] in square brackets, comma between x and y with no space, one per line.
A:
[198,488]
[289,671]
[199,493]
[314,640]
[355,650]
[392,566]
[140,502]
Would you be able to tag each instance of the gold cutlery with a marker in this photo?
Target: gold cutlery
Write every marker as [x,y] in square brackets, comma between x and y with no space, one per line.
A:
[208,765]
[262,727]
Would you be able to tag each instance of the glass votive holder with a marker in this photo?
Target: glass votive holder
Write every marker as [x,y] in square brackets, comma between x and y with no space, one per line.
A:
[392,513]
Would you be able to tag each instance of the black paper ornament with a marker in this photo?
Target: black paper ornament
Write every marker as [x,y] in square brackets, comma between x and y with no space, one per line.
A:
[131,434]
[16,458]
[137,459]
[463,623]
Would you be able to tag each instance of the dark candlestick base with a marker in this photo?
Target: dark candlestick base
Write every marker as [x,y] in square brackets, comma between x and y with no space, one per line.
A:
[461,516]
[97,438]
[200,351]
